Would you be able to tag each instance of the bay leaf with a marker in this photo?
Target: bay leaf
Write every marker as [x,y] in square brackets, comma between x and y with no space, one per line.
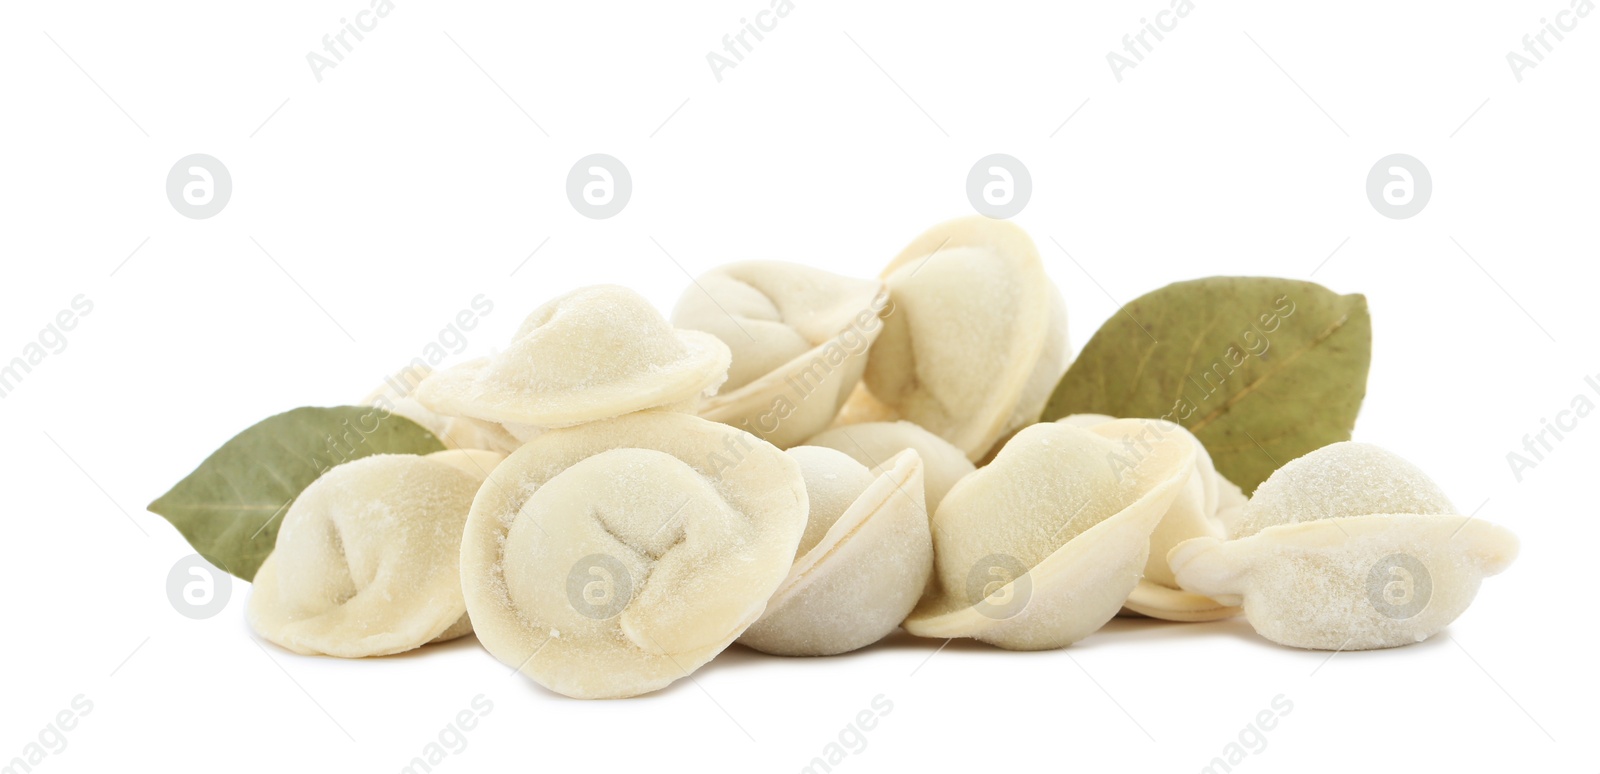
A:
[1261,370]
[230,507]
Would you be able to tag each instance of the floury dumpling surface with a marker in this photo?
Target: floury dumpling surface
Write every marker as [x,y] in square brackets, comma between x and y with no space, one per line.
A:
[799,338]
[367,560]
[1348,548]
[978,335]
[1338,481]
[863,560]
[609,559]
[1041,547]
[874,443]
[592,354]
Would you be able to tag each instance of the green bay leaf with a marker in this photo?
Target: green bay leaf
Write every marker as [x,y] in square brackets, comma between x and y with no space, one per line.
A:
[1261,370]
[230,507]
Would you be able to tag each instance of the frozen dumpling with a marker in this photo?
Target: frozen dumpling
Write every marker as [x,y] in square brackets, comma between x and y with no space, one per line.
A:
[367,559]
[1041,547]
[594,353]
[873,443]
[863,560]
[799,338]
[1347,548]
[976,335]
[609,559]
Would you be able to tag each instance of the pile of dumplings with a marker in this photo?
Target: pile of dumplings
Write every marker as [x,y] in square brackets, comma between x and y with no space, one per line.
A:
[803,462]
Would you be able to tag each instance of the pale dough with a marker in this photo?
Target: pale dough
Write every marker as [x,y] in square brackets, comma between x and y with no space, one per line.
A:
[1198,511]
[455,432]
[609,559]
[863,561]
[1041,547]
[975,337]
[799,338]
[594,353]
[1349,547]
[367,559]
[873,443]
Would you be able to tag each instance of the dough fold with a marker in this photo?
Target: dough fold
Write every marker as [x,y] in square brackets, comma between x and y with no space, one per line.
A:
[799,338]
[367,559]
[609,559]
[977,336]
[595,353]
[1349,547]
[863,561]
[1042,546]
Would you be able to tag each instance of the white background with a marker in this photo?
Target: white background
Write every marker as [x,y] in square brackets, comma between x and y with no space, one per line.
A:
[407,181]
